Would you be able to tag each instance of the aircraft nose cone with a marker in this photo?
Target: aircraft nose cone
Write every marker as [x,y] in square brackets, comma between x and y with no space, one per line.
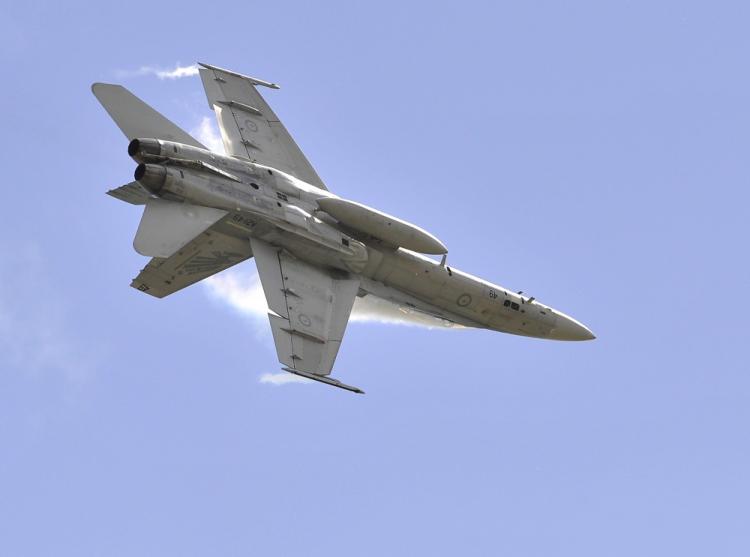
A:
[567,328]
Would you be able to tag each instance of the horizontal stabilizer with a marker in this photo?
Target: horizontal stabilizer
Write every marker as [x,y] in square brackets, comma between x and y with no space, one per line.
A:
[137,119]
[132,193]
[166,226]
[325,379]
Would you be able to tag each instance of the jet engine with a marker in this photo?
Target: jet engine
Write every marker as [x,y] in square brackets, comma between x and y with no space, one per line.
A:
[142,149]
[151,176]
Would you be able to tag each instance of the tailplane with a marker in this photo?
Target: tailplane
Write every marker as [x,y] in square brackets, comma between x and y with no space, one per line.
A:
[136,119]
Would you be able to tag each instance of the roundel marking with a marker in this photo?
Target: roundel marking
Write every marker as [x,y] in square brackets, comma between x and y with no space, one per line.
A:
[304,319]
[251,126]
[463,300]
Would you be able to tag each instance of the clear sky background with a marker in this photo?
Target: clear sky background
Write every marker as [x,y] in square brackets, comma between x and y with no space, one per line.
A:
[593,154]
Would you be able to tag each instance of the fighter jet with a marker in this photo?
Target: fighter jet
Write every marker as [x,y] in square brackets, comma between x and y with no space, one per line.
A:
[315,251]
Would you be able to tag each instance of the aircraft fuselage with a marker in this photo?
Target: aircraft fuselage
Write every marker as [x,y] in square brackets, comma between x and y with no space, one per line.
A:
[270,205]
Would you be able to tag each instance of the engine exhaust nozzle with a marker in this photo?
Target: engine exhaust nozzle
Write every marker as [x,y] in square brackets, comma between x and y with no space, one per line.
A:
[139,149]
[151,176]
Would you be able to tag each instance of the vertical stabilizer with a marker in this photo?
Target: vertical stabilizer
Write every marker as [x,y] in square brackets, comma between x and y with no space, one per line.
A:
[137,119]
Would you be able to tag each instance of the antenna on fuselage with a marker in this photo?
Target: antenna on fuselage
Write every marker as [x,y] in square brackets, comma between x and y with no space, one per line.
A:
[530,300]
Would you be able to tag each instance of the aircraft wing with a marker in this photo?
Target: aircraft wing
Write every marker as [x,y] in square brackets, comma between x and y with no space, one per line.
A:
[310,308]
[249,128]
[132,193]
[207,254]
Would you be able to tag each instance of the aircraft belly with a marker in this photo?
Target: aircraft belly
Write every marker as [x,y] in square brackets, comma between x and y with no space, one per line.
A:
[422,285]
[312,252]
[464,295]
[461,298]
[374,262]
[432,283]
[404,272]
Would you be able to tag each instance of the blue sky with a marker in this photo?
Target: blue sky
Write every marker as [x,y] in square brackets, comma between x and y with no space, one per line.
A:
[592,154]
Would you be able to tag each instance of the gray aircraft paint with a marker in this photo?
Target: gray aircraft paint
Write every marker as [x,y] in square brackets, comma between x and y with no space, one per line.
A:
[205,212]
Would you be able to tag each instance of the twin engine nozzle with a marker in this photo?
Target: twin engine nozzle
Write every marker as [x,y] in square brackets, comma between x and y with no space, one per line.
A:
[140,149]
[151,176]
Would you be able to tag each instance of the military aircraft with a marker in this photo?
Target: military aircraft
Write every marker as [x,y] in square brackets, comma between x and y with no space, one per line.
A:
[315,251]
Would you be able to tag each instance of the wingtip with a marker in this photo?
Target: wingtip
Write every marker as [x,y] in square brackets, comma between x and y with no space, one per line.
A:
[324,379]
[98,86]
[254,80]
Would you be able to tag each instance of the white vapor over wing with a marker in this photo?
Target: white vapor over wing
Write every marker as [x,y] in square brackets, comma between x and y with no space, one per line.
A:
[207,134]
[282,378]
[243,292]
[371,309]
[176,73]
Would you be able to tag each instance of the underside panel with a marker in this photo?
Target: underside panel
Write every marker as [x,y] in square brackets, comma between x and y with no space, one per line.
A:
[166,226]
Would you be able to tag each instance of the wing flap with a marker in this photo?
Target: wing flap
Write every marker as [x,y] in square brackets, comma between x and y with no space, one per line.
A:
[269,270]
